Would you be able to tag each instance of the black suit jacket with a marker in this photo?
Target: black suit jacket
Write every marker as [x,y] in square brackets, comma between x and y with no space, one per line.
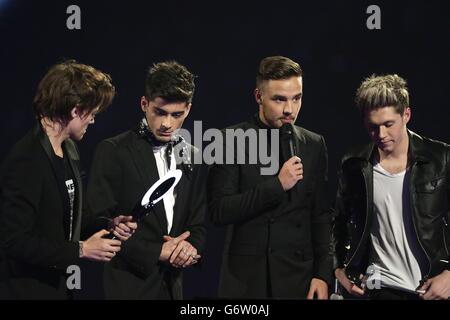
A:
[124,168]
[34,226]
[275,242]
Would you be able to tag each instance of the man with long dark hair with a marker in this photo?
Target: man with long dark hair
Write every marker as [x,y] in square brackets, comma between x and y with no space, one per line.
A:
[41,189]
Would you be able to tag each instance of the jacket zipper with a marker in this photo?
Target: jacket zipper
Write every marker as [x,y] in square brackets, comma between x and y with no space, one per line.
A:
[412,195]
[365,224]
[443,235]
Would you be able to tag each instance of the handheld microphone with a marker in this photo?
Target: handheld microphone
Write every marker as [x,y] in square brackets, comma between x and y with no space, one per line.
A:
[287,137]
[287,146]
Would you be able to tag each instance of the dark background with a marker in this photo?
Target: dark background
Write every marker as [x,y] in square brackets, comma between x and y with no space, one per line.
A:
[222,42]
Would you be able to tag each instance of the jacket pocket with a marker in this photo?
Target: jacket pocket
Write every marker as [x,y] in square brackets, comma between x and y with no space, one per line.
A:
[430,186]
[431,198]
[305,254]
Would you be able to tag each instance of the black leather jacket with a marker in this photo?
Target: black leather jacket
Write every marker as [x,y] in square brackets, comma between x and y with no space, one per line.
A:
[430,197]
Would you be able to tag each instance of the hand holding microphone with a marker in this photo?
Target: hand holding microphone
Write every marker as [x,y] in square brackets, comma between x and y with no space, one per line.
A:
[291,173]
[292,170]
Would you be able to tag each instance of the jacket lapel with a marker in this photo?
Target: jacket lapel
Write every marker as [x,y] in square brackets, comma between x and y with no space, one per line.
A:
[300,146]
[47,146]
[180,200]
[300,141]
[417,151]
[184,155]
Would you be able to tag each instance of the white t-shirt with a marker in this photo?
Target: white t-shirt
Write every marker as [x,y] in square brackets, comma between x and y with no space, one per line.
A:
[163,168]
[396,255]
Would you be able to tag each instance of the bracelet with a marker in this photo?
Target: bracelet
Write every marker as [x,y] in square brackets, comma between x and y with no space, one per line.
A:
[80,248]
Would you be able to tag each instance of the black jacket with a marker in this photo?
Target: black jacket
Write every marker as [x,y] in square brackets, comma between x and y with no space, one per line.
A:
[276,242]
[430,197]
[34,228]
[124,167]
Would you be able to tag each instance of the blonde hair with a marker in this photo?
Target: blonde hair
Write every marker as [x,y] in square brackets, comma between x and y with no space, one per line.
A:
[382,91]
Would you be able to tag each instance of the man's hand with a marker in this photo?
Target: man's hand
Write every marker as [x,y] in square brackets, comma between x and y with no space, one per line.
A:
[351,288]
[122,227]
[184,255]
[291,173]
[319,289]
[437,288]
[170,245]
[97,248]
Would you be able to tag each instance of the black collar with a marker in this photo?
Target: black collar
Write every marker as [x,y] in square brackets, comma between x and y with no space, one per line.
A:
[255,120]
[417,150]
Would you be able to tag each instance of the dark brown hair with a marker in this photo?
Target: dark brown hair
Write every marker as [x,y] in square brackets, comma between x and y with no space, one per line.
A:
[71,84]
[277,68]
[171,81]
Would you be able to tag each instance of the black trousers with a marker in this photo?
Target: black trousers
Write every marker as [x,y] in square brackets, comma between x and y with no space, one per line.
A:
[165,292]
[391,294]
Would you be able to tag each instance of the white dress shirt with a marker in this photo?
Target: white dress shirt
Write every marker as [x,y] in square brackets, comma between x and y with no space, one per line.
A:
[163,168]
